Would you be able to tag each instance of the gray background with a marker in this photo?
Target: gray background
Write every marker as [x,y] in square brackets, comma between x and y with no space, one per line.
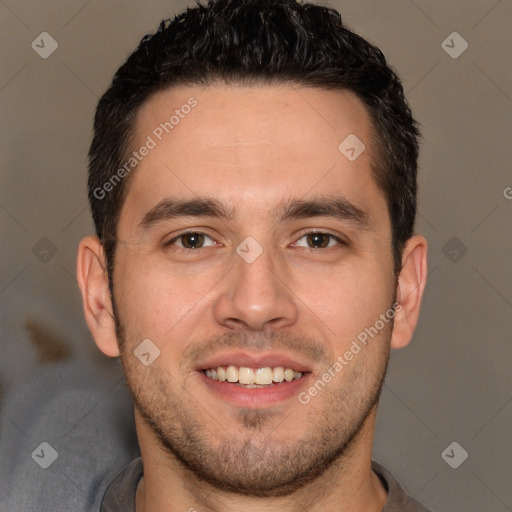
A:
[453,383]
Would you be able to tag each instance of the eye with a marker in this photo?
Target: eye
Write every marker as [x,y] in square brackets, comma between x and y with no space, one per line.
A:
[190,240]
[320,240]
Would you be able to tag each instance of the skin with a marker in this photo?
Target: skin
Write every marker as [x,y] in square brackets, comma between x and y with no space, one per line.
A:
[253,148]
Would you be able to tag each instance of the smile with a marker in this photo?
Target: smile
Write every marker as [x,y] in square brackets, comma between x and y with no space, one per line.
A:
[253,377]
[257,388]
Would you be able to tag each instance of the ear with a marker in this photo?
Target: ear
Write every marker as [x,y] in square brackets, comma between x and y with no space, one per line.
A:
[411,283]
[93,281]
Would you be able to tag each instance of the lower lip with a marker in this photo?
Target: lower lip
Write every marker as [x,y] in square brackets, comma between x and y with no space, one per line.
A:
[255,397]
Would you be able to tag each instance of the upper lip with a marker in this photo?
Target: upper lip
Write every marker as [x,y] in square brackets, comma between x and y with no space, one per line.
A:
[252,360]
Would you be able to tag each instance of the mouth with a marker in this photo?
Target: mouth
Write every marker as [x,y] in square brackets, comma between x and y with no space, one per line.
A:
[251,378]
[246,380]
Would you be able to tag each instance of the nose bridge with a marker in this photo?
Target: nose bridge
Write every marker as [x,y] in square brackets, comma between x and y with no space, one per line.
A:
[255,293]
[257,264]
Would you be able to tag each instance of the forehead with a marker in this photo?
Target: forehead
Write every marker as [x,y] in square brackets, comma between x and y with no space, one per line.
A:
[259,145]
[230,115]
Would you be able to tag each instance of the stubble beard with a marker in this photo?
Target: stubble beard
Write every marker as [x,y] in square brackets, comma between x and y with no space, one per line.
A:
[243,458]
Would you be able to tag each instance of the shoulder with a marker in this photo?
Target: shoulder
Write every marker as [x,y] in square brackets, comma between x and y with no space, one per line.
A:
[120,494]
[66,433]
[398,500]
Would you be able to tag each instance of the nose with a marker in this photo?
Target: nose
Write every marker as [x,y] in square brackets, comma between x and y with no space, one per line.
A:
[256,295]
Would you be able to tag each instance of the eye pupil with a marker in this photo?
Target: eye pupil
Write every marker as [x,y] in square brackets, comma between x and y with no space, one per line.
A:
[190,239]
[314,238]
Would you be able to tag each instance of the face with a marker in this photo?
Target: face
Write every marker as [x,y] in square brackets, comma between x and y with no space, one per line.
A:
[249,240]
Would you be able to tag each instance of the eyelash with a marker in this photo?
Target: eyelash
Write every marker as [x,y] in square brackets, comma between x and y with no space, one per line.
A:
[184,249]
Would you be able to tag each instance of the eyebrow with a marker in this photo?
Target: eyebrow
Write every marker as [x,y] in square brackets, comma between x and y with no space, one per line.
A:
[336,207]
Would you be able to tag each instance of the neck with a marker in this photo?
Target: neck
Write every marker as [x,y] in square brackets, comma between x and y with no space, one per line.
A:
[349,484]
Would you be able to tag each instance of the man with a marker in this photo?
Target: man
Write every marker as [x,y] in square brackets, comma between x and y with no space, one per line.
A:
[253,187]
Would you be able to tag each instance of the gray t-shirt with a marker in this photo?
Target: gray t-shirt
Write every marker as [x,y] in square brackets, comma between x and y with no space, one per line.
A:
[120,495]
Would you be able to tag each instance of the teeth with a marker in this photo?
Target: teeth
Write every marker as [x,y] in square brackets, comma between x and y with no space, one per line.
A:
[252,377]
[245,375]
[221,374]
[278,374]
[263,376]
[231,374]
[288,374]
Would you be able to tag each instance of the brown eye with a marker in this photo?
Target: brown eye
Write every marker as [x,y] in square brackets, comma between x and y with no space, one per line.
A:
[320,240]
[189,241]
[192,240]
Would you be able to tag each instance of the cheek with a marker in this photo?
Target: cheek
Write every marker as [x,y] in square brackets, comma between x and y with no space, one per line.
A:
[138,295]
[350,302]
[153,302]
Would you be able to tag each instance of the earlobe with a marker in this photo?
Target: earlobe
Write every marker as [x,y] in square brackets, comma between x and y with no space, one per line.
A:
[411,284]
[93,281]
